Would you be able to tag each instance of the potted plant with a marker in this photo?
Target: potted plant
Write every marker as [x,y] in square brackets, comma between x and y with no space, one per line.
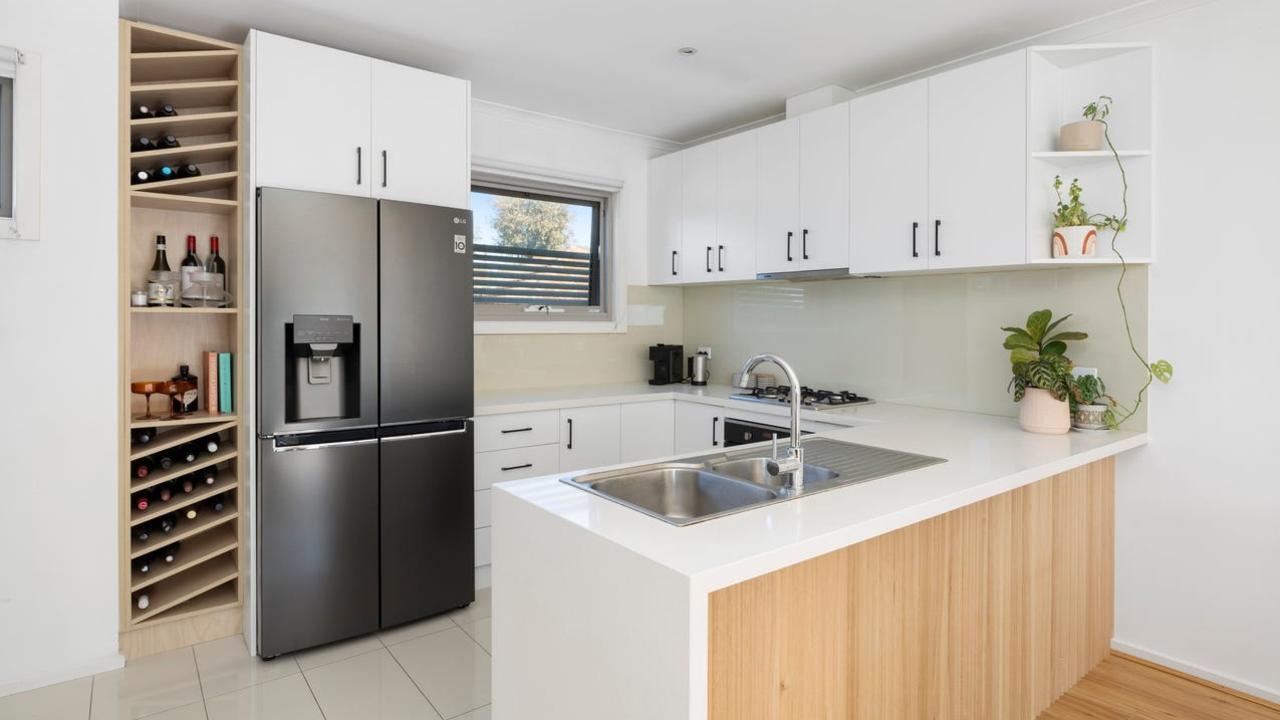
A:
[1074,235]
[1091,407]
[1086,135]
[1041,380]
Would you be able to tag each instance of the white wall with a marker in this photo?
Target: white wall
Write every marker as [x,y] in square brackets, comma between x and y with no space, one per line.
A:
[58,363]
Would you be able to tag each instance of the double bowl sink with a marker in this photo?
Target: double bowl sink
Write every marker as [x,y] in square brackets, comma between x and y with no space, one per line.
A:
[709,486]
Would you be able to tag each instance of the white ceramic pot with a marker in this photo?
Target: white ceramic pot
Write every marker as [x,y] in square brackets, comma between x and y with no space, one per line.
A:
[1075,241]
[1041,413]
[1082,135]
[1090,417]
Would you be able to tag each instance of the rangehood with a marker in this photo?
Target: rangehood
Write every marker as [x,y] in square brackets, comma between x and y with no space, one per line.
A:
[802,275]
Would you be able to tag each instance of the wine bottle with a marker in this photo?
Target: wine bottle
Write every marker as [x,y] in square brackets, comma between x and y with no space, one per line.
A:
[142,565]
[144,144]
[142,436]
[143,111]
[190,264]
[142,468]
[219,503]
[189,401]
[169,554]
[188,484]
[215,263]
[142,500]
[161,263]
[191,512]
[169,141]
[189,170]
[142,533]
[209,475]
[165,492]
[159,274]
[168,523]
[187,452]
[143,601]
[163,461]
[166,110]
[139,176]
[211,443]
[164,172]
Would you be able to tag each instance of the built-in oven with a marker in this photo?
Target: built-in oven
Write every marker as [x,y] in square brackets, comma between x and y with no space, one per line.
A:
[745,432]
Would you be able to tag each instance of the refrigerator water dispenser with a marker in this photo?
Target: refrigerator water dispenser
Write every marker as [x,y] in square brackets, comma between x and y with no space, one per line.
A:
[321,368]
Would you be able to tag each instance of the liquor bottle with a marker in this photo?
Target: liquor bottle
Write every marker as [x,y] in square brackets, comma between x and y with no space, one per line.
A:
[215,263]
[142,468]
[168,523]
[189,401]
[164,172]
[142,501]
[142,533]
[139,176]
[143,144]
[190,264]
[166,110]
[169,554]
[142,436]
[189,170]
[169,141]
[142,565]
[209,475]
[210,444]
[143,111]
[143,601]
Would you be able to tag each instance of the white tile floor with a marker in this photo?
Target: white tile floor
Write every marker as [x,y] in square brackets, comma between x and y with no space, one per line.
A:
[436,669]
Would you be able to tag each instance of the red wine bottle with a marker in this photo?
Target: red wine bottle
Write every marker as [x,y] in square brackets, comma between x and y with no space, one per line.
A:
[188,484]
[209,475]
[214,263]
[190,264]
[142,436]
[142,467]
[142,500]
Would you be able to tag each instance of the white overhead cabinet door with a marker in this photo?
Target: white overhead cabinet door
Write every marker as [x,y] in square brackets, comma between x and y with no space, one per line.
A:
[824,189]
[889,182]
[978,164]
[421,131]
[311,116]
[735,253]
[699,213]
[778,197]
[589,437]
[666,221]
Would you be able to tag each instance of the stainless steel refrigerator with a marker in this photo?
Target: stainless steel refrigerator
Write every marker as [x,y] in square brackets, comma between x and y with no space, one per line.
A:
[365,509]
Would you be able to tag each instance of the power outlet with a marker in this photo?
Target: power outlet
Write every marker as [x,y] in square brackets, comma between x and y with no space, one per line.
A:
[705,349]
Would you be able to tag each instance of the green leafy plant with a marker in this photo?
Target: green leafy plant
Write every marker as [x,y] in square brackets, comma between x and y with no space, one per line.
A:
[1070,212]
[1161,370]
[1091,390]
[1038,355]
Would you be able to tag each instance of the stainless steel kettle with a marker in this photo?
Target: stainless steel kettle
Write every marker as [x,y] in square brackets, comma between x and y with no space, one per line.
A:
[699,368]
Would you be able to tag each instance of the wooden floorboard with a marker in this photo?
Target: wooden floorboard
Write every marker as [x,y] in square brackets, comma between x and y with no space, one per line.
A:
[1123,688]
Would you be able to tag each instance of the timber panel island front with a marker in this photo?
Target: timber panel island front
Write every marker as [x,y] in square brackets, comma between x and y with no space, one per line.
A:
[978,588]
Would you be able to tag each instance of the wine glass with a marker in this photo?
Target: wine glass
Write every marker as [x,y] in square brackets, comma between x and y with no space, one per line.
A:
[147,388]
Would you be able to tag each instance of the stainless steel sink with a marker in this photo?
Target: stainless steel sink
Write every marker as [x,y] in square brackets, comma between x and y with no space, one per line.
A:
[678,493]
[709,486]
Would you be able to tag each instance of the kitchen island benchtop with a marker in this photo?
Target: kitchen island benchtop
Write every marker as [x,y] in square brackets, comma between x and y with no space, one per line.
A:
[986,456]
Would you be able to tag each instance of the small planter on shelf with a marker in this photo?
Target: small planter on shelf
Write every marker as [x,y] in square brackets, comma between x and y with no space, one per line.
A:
[1073,235]
[1091,407]
[1041,381]
[1089,134]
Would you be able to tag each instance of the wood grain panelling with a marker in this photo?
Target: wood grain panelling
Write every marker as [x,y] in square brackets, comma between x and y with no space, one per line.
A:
[989,612]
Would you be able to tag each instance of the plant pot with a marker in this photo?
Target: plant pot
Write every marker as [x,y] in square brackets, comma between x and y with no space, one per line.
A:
[1089,417]
[1082,135]
[1041,413]
[1075,241]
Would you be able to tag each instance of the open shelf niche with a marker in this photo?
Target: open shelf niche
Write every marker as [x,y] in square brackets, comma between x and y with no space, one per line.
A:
[200,595]
[1062,80]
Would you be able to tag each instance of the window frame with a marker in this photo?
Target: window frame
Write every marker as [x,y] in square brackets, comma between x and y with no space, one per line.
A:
[21,220]
[495,315]
[6,146]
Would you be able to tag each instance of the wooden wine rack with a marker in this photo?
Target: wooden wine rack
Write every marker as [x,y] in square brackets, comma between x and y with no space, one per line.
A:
[201,595]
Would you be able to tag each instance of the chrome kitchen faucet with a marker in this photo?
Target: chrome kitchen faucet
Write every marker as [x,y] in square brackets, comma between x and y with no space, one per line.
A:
[793,463]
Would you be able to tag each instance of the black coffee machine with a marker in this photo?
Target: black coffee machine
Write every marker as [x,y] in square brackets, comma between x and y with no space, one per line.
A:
[668,362]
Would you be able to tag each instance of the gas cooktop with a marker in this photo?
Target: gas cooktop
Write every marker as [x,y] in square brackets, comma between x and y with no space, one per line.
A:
[809,398]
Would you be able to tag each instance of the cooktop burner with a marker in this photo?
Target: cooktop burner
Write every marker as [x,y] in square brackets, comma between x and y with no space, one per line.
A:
[810,398]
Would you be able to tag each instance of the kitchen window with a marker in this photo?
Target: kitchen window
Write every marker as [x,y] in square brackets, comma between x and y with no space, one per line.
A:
[540,253]
[19,145]
[6,147]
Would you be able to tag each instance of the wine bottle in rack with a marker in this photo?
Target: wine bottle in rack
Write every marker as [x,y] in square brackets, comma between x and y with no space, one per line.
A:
[188,484]
[169,554]
[189,170]
[142,600]
[214,263]
[169,141]
[164,172]
[210,444]
[144,144]
[187,452]
[190,512]
[141,111]
[142,436]
[142,500]
[219,503]
[164,492]
[190,264]
[142,467]
[166,110]
[168,523]
[139,177]
[163,460]
[142,565]
[142,533]
[209,475]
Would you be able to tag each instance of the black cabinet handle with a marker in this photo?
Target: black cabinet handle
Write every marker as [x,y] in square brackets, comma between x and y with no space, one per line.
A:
[517,467]
[673,262]
[570,446]
[720,258]
[359,165]
[708,258]
[914,227]
[504,432]
[937,230]
[384,168]
[804,244]
[714,421]
[789,258]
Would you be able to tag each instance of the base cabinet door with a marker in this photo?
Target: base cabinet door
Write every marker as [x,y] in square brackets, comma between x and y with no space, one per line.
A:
[647,431]
[698,427]
[589,437]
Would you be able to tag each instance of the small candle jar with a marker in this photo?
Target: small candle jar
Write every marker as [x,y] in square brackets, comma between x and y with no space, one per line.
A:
[138,298]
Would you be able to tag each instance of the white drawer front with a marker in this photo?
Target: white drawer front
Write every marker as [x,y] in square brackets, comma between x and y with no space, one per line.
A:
[500,432]
[483,514]
[515,464]
[482,546]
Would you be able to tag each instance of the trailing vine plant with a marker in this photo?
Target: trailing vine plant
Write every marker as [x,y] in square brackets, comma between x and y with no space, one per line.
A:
[1161,370]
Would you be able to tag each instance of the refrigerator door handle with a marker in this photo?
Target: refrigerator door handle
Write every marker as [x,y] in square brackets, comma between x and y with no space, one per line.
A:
[318,446]
[416,436]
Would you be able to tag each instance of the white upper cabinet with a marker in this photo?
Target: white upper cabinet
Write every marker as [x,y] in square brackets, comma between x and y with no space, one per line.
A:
[421,132]
[890,229]
[778,197]
[735,255]
[699,212]
[666,222]
[311,116]
[332,121]
[824,188]
[978,164]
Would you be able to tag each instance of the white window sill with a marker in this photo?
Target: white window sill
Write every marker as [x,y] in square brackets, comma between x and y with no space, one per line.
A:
[547,327]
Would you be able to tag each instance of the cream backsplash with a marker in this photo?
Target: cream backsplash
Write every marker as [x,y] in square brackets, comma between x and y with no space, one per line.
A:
[511,362]
[931,340]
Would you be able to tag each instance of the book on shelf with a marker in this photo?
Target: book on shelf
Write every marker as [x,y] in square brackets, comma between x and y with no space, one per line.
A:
[211,381]
[218,382]
[224,383]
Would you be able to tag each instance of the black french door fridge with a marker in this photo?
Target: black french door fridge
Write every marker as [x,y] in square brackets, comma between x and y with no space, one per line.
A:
[364,397]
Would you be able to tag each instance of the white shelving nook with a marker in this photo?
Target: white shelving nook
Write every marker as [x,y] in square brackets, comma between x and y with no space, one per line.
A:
[1061,80]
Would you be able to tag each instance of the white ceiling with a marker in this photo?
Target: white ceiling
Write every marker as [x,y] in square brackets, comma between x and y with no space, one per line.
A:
[614,62]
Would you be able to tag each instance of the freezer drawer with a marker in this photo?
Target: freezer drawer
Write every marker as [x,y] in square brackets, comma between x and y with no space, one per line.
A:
[428,511]
[318,549]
